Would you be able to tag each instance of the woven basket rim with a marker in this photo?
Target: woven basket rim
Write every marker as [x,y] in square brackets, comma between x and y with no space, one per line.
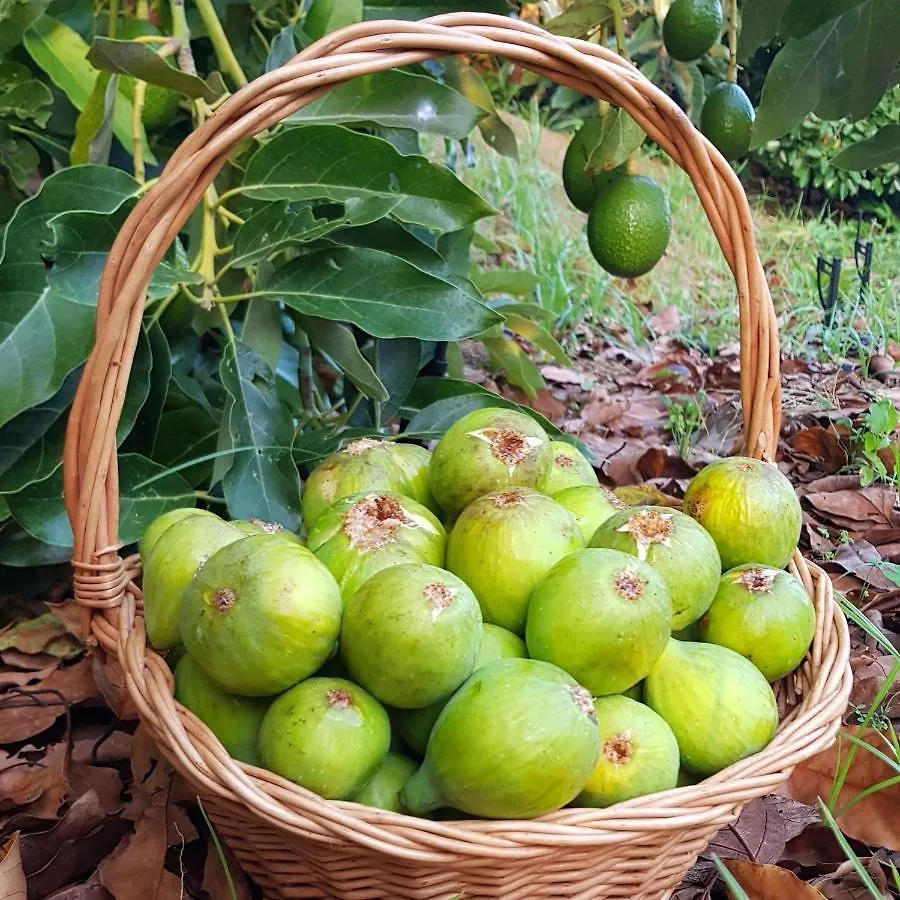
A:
[106,585]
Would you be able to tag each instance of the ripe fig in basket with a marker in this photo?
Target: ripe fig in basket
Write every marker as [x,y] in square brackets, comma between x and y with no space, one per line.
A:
[170,565]
[603,616]
[504,543]
[749,508]
[258,526]
[676,546]
[764,614]
[415,462]
[162,523]
[569,468]
[411,634]
[260,615]
[638,754]
[591,506]
[327,735]
[232,719]
[517,740]
[487,450]
[415,725]
[367,464]
[719,705]
[364,533]
[382,790]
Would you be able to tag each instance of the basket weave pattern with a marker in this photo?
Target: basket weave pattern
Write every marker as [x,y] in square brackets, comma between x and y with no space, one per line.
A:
[293,842]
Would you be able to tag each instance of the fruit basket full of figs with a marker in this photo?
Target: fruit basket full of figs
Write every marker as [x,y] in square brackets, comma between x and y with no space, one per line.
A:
[477,672]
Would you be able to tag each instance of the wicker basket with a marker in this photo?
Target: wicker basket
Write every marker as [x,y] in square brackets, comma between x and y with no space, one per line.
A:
[294,843]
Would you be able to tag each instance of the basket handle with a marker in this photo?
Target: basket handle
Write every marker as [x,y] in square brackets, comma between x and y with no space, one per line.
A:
[89,459]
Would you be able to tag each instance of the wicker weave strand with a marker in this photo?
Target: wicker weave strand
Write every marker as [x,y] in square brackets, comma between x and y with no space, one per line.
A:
[292,841]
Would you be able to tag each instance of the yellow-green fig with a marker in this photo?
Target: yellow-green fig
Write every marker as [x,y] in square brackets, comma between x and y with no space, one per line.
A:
[367,464]
[718,703]
[415,462]
[749,508]
[232,719]
[162,523]
[327,735]
[260,615]
[517,740]
[415,725]
[591,506]
[174,557]
[485,451]
[638,754]
[569,468]
[258,526]
[383,789]
[364,533]
[676,546]
[601,615]
[504,543]
[764,614]
[411,635]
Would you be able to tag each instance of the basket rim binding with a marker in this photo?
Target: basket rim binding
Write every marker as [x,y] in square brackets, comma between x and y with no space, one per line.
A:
[106,585]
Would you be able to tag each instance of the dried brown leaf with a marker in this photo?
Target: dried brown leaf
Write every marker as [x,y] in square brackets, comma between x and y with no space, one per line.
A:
[874,819]
[822,445]
[215,882]
[110,681]
[860,558]
[14,678]
[97,744]
[28,662]
[845,884]
[868,676]
[814,846]
[43,634]
[562,375]
[767,882]
[666,321]
[12,876]
[865,508]
[82,892]
[23,779]
[103,781]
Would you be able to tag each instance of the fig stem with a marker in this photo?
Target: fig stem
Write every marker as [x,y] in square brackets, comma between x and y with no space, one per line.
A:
[419,794]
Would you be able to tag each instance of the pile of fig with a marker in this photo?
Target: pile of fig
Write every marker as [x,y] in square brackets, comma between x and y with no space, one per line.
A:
[484,629]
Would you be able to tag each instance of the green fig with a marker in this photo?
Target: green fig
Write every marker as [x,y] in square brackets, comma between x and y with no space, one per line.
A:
[170,565]
[260,615]
[411,634]
[415,462]
[719,705]
[485,451]
[764,614]
[365,465]
[327,735]
[415,725]
[162,523]
[568,469]
[365,533]
[591,506]
[382,790]
[749,508]
[638,754]
[258,526]
[504,543]
[635,692]
[601,615]
[233,720]
[517,740]
[667,539]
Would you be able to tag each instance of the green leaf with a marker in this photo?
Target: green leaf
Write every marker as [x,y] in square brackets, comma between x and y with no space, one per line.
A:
[332,162]
[62,54]
[507,356]
[277,226]
[834,100]
[19,549]
[338,285]
[880,150]
[581,18]
[283,49]
[619,137]
[261,330]
[138,389]
[140,61]
[516,282]
[263,482]
[16,16]
[870,54]
[760,25]
[802,17]
[795,81]
[146,427]
[44,334]
[325,16]
[391,237]
[537,335]
[395,99]
[338,342]
[689,80]
[146,490]
[397,363]
[21,96]
[93,128]
[17,157]
[422,9]
[186,434]
[532,311]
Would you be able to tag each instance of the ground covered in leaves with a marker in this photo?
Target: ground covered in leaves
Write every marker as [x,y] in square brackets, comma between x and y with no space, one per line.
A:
[88,813]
